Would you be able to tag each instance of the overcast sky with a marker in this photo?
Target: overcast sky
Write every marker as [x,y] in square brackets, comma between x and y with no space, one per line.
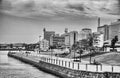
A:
[24,20]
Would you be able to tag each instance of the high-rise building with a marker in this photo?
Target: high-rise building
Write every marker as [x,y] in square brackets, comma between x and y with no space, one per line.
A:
[114,30]
[104,30]
[70,37]
[67,37]
[84,33]
[48,34]
[73,37]
[110,31]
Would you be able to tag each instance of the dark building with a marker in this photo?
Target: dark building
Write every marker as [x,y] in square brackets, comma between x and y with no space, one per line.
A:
[57,41]
[48,34]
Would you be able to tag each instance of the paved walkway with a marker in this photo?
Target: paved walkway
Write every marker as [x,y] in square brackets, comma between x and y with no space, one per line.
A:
[83,65]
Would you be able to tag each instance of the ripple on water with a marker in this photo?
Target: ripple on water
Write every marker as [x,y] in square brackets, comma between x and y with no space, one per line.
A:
[12,68]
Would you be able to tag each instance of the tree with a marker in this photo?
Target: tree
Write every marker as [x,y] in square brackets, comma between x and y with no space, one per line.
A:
[84,44]
[90,43]
[113,42]
[11,46]
[75,47]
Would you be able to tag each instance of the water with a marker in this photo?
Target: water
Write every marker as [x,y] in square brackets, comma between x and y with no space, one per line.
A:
[12,68]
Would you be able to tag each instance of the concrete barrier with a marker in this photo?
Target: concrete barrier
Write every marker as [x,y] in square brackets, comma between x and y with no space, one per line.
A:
[62,71]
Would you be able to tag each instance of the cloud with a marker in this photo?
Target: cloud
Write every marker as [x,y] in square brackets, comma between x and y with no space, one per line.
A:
[97,8]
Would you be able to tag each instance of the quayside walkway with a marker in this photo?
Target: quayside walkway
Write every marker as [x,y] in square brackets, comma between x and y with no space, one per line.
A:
[67,68]
[69,63]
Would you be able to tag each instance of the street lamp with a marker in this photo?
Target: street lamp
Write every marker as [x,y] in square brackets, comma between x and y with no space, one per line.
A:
[80,51]
[39,43]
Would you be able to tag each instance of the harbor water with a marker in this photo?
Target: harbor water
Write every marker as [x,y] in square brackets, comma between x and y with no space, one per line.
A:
[12,68]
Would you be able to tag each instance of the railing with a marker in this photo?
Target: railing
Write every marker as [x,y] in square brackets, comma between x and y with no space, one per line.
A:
[77,65]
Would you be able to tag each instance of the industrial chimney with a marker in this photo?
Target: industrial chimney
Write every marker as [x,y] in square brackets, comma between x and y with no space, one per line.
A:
[99,22]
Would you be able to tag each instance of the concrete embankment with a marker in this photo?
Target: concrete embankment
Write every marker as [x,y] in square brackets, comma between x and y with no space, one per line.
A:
[62,71]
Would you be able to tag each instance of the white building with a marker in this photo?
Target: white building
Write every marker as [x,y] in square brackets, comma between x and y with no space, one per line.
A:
[114,30]
[84,33]
[44,45]
[67,40]
[73,37]
[70,37]
[107,46]
[98,40]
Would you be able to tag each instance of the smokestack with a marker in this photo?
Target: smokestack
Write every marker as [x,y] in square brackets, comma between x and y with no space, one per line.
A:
[99,22]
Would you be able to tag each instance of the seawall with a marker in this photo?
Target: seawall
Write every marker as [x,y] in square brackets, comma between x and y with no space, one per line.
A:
[62,71]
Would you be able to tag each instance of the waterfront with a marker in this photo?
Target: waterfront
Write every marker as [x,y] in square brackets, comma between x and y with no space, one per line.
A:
[12,68]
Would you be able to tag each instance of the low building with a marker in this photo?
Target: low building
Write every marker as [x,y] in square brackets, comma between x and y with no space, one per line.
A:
[57,41]
[18,46]
[4,46]
[98,39]
[84,33]
[44,45]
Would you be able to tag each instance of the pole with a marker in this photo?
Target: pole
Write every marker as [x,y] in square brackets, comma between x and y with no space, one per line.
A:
[80,55]
[90,57]
[90,54]
[39,43]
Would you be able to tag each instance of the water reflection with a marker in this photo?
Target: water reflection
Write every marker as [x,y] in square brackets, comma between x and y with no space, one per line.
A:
[12,68]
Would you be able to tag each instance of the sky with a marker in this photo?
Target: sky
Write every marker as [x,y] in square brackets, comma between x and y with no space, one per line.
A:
[22,21]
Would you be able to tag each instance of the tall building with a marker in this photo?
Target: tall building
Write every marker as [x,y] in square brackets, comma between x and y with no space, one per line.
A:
[84,33]
[110,31]
[104,30]
[70,37]
[67,40]
[48,34]
[67,37]
[73,37]
[114,30]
